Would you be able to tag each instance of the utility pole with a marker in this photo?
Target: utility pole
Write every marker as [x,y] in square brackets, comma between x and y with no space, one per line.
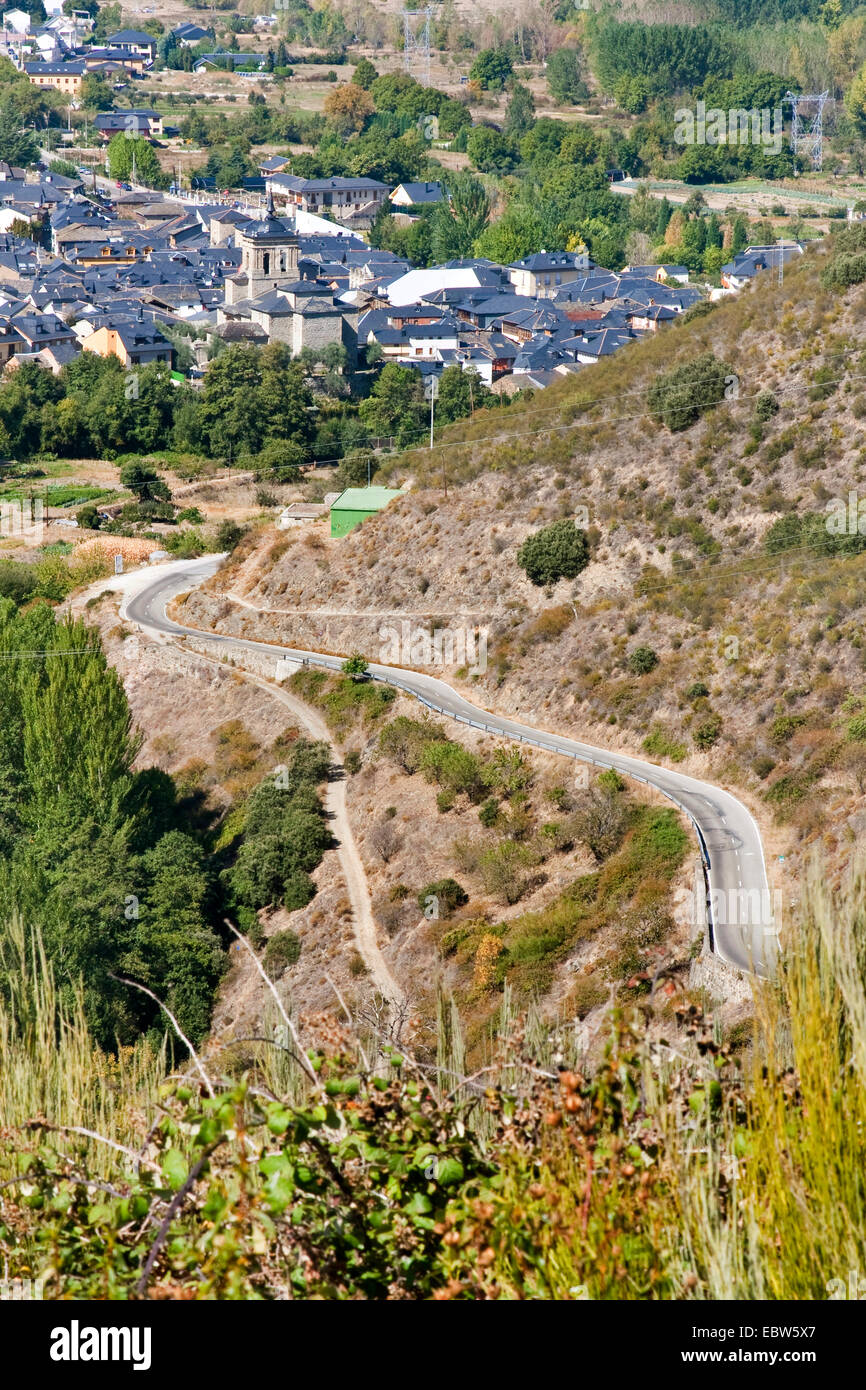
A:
[431,391]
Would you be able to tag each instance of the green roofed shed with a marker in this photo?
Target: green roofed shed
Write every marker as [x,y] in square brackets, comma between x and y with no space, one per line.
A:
[357,503]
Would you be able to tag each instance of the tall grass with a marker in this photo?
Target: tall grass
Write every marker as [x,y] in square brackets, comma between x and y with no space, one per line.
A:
[789,1156]
[658,1170]
[50,1067]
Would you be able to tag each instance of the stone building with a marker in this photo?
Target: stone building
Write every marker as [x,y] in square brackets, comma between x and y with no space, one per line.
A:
[281,295]
[269,258]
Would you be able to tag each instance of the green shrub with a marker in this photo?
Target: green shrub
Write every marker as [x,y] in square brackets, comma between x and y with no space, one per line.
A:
[281,951]
[679,397]
[453,767]
[766,406]
[659,744]
[763,765]
[445,894]
[558,551]
[610,780]
[355,666]
[784,726]
[229,535]
[404,740]
[17,581]
[708,731]
[642,660]
[298,889]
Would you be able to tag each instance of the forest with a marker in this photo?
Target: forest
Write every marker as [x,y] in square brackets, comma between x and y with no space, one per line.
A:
[113,870]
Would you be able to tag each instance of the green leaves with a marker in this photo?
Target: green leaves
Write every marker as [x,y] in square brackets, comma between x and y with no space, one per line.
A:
[449,1172]
[558,551]
[174,1168]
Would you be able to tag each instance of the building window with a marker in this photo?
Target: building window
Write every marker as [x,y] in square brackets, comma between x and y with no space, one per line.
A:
[266,262]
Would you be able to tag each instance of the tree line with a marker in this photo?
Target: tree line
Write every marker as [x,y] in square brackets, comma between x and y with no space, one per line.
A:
[257,406]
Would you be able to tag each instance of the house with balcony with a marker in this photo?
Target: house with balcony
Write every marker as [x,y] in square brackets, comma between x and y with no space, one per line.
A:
[135,42]
[341,198]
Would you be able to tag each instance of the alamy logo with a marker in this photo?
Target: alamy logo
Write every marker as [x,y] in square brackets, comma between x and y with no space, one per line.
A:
[22,519]
[734,127]
[854,1290]
[22,1290]
[77,1343]
[444,646]
[735,907]
[846,518]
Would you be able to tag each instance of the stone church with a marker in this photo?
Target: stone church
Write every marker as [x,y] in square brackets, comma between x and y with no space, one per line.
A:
[279,293]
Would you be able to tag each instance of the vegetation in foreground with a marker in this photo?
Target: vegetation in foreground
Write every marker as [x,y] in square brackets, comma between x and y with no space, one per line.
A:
[352,1171]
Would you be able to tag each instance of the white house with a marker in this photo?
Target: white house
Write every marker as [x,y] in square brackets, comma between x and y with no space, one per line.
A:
[416,285]
[16,20]
[65,28]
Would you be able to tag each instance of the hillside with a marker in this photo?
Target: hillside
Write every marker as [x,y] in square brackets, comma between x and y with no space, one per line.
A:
[758,645]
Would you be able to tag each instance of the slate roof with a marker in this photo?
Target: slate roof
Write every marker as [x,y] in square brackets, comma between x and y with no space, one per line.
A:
[541,261]
[421,193]
[130,36]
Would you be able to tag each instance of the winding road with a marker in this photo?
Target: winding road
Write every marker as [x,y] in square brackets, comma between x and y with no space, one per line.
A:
[743,929]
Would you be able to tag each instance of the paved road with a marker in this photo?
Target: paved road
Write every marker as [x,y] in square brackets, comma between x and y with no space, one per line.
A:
[743,930]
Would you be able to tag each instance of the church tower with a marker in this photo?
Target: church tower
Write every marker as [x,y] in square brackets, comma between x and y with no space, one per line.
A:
[269,258]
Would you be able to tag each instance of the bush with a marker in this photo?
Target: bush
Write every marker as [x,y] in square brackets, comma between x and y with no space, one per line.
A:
[642,660]
[489,813]
[708,731]
[698,691]
[446,895]
[298,889]
[766,406]
[763,765]
[229,535]
[491,69]
[88,517]
[17,581]
[352,761]
[281,951]
[558,551]
[404,740]
[679,397]
[503,869]
[659,744]
[280,461]
[601,821]
[355,666]
[452,767]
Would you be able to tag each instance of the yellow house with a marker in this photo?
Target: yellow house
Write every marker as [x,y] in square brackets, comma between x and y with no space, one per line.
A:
[63,77]
[135,344]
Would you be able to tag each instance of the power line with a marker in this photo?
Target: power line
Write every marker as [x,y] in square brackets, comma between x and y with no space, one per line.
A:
[54,651]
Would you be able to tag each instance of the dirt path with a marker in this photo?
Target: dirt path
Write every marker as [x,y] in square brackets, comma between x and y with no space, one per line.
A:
[351,864]
[363,921]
